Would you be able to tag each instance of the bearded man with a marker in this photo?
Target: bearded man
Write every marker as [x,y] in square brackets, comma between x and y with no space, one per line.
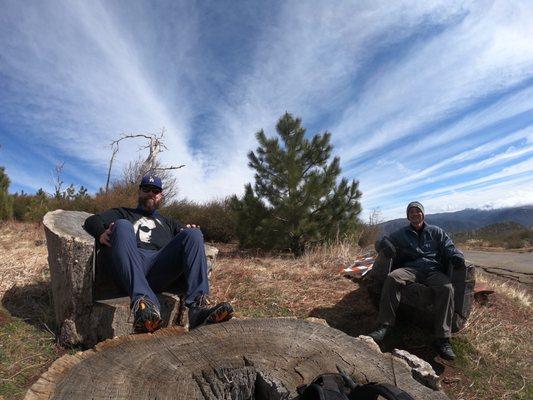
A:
[419,252]
[150,253]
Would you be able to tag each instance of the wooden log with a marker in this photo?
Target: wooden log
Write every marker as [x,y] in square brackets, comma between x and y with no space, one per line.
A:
[240,359]
[70,258]
[84,313]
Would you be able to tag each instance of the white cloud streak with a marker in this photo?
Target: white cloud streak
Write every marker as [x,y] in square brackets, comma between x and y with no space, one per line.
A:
[419,75]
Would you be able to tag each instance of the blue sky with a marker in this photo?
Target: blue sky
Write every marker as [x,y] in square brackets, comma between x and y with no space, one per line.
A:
[428,101]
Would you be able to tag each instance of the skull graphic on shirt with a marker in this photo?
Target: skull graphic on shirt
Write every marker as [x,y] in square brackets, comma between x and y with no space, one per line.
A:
[143,229]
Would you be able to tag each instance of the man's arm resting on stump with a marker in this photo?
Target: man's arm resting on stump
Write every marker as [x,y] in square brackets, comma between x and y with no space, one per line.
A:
[100,225]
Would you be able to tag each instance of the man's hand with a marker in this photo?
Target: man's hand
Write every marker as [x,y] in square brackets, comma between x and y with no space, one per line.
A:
[191,226]
[105,238]
[386,246]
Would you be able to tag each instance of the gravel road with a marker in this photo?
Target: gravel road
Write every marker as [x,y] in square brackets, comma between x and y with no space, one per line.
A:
[518,266]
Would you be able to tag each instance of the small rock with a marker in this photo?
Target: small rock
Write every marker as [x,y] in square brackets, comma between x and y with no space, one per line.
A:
[422,371]
[211,252]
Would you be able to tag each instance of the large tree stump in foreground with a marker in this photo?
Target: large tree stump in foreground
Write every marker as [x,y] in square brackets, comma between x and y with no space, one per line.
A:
[85,311]
[240,359]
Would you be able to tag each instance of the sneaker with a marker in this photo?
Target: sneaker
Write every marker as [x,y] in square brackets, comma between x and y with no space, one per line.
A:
[201,314]
[444,348]
[379,334]
[146,316]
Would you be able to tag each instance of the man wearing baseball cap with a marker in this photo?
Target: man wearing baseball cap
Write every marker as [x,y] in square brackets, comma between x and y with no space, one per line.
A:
[149,252]
[418,251]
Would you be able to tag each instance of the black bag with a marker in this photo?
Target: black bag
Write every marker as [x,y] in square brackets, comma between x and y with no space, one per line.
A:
[334,386]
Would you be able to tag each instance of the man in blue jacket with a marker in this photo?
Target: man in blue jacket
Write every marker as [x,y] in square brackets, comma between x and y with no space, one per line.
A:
[421,251]
[149,252]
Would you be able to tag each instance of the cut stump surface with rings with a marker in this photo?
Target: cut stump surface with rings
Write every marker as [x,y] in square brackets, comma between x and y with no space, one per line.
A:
[239,359]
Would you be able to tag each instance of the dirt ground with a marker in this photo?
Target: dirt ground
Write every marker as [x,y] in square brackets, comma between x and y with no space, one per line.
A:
[494,350]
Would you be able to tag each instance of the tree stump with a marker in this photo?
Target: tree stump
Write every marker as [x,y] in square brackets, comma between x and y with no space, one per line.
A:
[240,359]
[89,310]
[70,258]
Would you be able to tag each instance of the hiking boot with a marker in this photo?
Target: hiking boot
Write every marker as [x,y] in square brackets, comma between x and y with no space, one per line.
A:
[201,314]
[444,348]
[146,316]
[379,334]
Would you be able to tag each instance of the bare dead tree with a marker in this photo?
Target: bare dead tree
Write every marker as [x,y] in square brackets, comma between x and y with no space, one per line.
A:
[155,146]
[129,180]
[370,232]
[115,151]
[58,183]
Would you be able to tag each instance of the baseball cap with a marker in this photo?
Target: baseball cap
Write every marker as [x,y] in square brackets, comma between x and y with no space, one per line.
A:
[151,180]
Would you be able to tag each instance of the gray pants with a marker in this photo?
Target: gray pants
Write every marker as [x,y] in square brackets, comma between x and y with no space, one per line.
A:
[437,281]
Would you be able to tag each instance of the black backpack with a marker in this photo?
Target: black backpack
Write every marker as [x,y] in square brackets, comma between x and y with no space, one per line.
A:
[335,386]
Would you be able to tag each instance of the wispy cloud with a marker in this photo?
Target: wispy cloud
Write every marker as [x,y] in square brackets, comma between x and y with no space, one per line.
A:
[427,100]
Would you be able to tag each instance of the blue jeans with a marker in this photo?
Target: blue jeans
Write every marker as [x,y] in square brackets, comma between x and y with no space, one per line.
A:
[180,266]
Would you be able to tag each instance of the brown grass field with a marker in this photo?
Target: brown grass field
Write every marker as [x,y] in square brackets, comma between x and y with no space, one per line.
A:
[494,350]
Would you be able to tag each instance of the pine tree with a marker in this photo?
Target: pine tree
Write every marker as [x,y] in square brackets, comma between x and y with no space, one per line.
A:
[6,201]
[304,202]
[252,215]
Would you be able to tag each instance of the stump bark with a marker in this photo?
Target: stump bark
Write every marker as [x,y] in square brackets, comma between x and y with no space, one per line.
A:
[240,359]
[70,258]
[89,310]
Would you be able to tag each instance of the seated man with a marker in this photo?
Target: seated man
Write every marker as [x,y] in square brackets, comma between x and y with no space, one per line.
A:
[150,252]
[420,250]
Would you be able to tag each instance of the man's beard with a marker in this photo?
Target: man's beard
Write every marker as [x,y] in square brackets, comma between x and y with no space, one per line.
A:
[149,204]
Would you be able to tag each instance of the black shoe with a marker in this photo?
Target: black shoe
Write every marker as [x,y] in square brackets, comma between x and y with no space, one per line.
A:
[444,348]
[201,314]
[147,317]
[379,334]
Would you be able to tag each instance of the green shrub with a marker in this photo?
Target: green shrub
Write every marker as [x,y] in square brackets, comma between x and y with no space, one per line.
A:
[37,207]
[216,218]
[6,201]
[21,203]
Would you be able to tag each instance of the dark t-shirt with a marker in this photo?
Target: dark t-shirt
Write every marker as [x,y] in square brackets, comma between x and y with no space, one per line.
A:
[153,231]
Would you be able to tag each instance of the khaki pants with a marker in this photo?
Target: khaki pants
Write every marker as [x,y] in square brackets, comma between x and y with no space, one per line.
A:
[437,281]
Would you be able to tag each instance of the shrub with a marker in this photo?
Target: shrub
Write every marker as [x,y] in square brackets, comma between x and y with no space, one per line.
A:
[216,218]
[37,207]
[6,201]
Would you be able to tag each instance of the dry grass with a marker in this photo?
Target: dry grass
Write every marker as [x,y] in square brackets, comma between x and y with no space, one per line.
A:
[27,343]
[24,255]
[283,286]
[496,346]
[509,289]
[494,351]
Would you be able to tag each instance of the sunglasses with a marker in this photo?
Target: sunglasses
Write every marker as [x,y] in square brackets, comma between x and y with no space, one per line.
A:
[149,189]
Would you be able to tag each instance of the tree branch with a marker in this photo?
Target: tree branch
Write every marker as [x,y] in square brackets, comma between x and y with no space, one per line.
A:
[171,167]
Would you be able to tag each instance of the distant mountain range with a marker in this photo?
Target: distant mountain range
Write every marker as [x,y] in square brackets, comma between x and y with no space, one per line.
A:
[469,219]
